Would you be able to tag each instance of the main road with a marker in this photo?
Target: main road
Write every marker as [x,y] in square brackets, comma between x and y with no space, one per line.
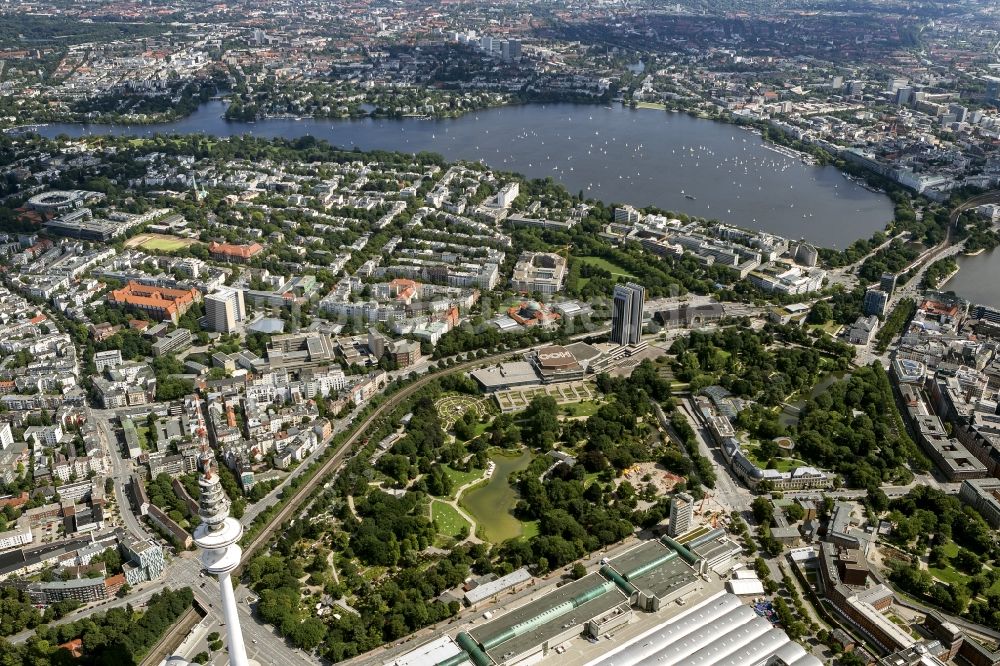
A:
[121,471]
[263,642]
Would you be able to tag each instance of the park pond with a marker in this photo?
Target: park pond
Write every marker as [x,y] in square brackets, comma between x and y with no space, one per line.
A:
[491,504]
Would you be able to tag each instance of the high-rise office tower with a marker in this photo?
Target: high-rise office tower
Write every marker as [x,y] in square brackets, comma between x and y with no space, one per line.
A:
[681,514]
[225,310]
[626,317]
[511,49]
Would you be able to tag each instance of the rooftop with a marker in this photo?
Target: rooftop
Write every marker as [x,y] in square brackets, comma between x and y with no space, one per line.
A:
[720,631]
[550,604]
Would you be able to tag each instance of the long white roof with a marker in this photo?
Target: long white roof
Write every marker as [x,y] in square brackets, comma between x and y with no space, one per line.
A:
[666,634]
[721,631]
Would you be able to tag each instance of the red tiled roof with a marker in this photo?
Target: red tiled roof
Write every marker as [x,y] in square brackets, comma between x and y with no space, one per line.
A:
[242,251]
[75,647]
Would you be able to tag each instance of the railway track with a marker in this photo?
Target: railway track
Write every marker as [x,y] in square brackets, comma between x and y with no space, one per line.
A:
[343,453]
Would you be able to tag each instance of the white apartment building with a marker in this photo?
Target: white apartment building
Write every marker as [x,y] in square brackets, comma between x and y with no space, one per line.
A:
[225,310]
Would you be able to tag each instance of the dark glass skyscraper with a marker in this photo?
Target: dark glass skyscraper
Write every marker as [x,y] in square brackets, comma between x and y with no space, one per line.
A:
[626,317]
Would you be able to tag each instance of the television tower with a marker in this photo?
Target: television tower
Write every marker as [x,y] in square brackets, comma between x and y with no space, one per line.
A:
[217,536]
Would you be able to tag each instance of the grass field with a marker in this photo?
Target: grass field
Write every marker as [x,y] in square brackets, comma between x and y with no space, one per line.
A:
[600,262]
[448,520]
[831,327]
[953,575]
[143,432]
[948,575]
[650,105]
[585,408]
[160,242]
[781,464]
[479,428]
[459,479]
[530,529]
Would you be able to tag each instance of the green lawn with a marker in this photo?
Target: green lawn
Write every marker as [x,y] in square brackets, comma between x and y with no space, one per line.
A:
[948,575]
[585,408]
[143,433]
[530,529]
[448,520]
[831,327]
[651,105]
[164,245]
[953,575]
[459,479]
[478,429]
[600,262]
[781,464]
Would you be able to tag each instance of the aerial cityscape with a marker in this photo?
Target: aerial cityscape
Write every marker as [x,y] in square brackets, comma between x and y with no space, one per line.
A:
[571,332]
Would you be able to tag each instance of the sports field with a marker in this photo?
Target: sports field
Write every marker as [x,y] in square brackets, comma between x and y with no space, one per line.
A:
[159,242]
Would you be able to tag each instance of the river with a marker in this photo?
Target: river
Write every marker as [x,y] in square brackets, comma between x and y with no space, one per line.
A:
[643,157]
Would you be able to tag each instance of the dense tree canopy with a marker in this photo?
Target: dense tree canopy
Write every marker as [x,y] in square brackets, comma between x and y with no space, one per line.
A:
[854,428]
[118,636]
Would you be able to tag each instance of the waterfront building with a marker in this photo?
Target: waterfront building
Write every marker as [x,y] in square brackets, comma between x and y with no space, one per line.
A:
[806,254]
[627,215]
[507,194]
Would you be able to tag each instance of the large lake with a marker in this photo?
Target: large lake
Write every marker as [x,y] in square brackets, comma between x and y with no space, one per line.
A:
[642,157]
